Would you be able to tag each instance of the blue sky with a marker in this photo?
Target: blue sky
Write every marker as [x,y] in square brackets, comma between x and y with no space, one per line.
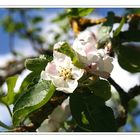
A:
[4,38]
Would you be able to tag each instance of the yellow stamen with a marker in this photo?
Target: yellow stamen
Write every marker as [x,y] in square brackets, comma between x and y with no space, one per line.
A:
[66,73]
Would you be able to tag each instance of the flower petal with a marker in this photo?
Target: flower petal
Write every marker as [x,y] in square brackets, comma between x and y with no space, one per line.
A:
[72,85]
[85,43]
[77,73]
[69,86]
[51,68]
[108,66]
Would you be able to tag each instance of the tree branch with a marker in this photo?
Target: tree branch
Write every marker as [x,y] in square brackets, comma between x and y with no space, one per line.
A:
[121,92]
[124,98]
[133,92]
[80,24]
[122,118]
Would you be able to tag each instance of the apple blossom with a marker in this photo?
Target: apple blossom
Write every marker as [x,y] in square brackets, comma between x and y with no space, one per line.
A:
[56,118]
[62,73]
[95,61]
[85,46]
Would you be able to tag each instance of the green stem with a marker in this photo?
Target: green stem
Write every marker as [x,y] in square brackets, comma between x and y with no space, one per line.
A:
[5,126]
[8,108]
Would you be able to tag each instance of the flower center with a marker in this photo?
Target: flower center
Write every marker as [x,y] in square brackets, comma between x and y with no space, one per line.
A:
[66,73]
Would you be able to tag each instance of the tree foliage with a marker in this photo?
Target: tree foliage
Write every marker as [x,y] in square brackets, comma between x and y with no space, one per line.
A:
[88,103]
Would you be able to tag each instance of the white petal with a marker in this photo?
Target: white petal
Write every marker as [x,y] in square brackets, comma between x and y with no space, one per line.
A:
[100,64]
[72,85]
[45,76]
[69,87]
[63,85]
[65,103]
[58,57]
[101,52]
[49,125]
[102,74]
[61,60]
[108,66]
[87,37]
[92,57]
[58,114]
[77,73]
[59,82]
[50,71]
[51,68]
[78,47]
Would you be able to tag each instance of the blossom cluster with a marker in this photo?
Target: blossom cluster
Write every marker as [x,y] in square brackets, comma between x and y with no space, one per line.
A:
[65,75]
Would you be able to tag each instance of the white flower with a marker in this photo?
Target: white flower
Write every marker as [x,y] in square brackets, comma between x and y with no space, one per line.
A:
[95,61]
[56,118]
[62,73]
[61,112]
[85,46]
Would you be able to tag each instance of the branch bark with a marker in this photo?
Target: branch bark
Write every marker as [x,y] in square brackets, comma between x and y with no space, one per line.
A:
[125,97]
[80,24]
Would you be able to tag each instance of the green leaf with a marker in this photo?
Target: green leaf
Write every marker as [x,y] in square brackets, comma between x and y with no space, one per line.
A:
[8,24]
[31,79]
[118,30]
[104,31]
[104,119]
[67,50]
[37,64]
[128,58]
[10,97]
[32,99]
[102,89]
[131,35]
[79,12]
[91,114]
[132,105]
[133,10]
[60,17]
[37,19]
[1,93]
[19,26]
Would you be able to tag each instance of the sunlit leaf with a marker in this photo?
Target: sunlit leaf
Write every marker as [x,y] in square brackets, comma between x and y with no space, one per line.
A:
[31,79]
[37,64]
[79,12]
[67,50]
[118,30]
[60,17]
[32,99]
[10,97]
